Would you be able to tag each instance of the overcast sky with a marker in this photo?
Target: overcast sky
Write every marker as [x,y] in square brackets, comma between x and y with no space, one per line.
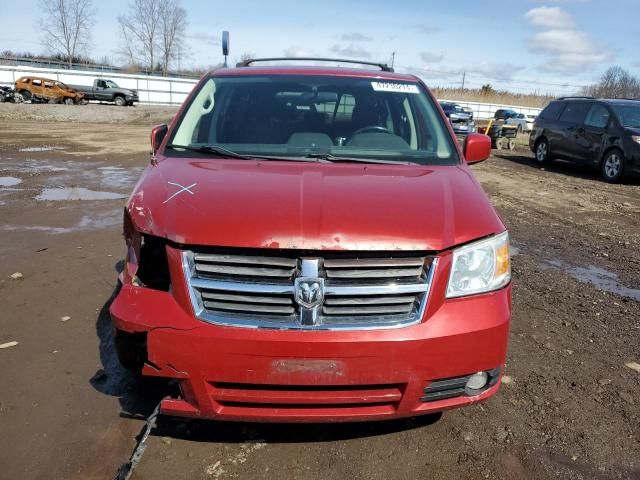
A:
[549,46]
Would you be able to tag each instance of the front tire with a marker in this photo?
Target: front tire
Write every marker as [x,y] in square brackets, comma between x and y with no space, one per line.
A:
[542,151]
[612,167]
[68,101]
[119,101]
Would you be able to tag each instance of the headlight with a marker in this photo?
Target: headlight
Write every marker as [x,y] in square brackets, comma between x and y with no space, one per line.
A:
[480,267]
[635,138]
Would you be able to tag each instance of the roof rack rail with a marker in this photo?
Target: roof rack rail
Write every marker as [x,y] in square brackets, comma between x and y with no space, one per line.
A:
[382,66]
[568,97]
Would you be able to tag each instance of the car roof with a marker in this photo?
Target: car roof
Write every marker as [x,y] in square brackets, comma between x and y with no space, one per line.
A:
[620,101]
[616,101]
[313,70]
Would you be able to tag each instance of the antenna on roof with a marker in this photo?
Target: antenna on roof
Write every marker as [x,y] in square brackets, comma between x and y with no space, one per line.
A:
[225,46]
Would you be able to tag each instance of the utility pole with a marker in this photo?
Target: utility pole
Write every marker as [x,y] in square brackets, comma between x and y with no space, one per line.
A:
[393,58]
[464,74]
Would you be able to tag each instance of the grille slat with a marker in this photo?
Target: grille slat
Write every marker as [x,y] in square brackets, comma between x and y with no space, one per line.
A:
[374,262]
[248,271]
[335,301]
[374,272]
[246,298]
[366,290]
[250,307]
[246,259]
[368,310]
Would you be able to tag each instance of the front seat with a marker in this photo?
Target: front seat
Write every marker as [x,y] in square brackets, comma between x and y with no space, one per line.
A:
[365,114]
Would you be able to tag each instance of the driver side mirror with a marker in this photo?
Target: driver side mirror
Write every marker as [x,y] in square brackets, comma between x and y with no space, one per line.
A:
[157,136]
[477,147]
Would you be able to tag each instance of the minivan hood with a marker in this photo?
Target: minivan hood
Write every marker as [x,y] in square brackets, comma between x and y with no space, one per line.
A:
[316,206]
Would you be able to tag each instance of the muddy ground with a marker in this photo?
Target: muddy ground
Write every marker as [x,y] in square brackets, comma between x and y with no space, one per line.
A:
[67,410]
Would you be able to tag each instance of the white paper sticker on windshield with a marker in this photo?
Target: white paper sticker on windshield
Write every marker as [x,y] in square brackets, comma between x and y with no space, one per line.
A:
[395,87]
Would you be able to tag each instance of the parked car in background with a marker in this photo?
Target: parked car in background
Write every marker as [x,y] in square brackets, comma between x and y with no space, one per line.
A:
[504,114]
[461,120]
[524,121]
[596,132]
[7,94]
[335,302]
[104,90]
[39,89]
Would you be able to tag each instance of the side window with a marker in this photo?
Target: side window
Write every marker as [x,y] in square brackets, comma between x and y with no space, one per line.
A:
[575,112]
[37,82]
[598,117]
[48,85]
[551,111]
[102,84]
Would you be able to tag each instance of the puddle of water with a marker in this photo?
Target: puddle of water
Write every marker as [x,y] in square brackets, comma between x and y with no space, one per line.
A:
[604,280]
[76,193]
[40,149]
[87,222]
[9,181]
[31,166]
[598,277]
[119,177]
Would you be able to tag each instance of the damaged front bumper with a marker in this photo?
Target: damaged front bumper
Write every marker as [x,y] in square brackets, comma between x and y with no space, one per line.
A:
[250,374]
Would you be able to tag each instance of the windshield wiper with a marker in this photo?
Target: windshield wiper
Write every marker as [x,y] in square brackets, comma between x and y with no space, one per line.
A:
[220,151]
[223,152]
[333,158]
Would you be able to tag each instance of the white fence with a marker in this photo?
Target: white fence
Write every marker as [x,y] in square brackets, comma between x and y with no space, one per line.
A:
[484,111]
[173,91]
[151,89]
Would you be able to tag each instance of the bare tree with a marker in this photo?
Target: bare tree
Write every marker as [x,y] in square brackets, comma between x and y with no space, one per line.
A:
[173,25]
[140,29]
[66,26]
[616,82]
[153,33]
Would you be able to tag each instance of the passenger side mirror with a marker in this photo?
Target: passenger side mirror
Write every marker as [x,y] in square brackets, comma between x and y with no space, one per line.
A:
[157,136]
[477,147]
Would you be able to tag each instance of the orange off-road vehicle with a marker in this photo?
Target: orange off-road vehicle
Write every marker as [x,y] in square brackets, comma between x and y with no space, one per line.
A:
[38,89]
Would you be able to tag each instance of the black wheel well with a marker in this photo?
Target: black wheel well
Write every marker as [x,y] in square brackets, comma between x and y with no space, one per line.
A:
[541,138]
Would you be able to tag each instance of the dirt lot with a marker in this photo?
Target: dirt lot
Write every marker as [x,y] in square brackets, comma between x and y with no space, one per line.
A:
[571,408]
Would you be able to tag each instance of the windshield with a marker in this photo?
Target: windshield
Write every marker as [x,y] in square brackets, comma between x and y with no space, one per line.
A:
[452,107]
[628,115]
[111,84]
[293,116]
[62,85]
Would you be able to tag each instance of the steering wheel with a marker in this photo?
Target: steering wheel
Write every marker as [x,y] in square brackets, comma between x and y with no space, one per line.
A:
[370,129]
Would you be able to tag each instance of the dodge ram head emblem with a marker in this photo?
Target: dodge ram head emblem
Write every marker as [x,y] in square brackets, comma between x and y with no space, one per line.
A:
[309,291]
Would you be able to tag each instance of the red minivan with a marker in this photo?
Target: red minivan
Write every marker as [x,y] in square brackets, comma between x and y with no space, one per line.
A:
[308,244]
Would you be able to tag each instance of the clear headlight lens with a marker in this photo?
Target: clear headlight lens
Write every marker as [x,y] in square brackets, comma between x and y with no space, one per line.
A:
[635,138]
[480,267]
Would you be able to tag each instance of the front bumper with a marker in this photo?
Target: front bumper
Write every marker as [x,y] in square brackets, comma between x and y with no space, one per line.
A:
[231,373]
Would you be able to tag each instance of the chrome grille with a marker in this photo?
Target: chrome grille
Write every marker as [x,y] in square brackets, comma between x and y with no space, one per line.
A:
[255,267]
[360,291]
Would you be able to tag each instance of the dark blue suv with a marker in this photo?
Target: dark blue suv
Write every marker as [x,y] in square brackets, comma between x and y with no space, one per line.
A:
[596,132]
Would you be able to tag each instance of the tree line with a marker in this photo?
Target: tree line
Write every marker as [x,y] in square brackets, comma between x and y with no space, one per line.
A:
[151,32]
[616,82]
